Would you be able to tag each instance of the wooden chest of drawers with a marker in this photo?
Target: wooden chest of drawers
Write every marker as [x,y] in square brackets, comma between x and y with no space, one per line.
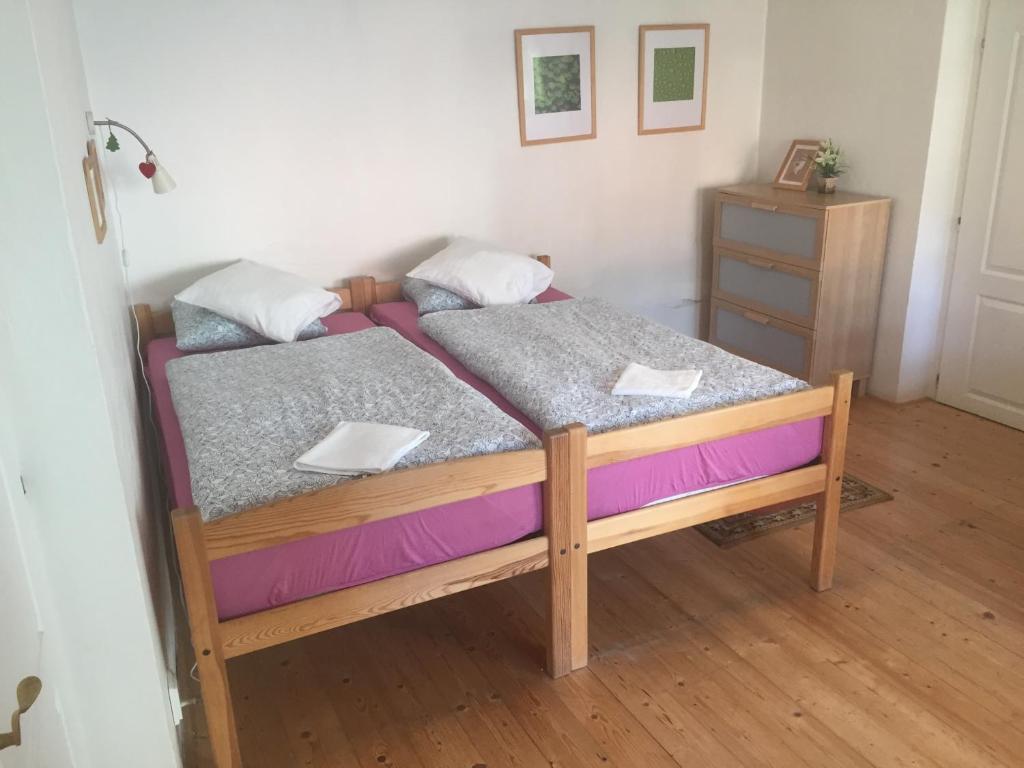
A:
[796,278]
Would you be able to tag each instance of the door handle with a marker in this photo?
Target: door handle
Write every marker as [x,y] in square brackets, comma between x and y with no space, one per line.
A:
[764,206]
[757,318]
[761,263]
[27,693]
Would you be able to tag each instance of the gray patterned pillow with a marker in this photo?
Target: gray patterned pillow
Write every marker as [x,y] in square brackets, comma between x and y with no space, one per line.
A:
[429,298]
[200,330]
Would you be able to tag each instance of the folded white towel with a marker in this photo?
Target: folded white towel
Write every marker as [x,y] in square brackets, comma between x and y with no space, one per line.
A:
[640,380]
[357,448]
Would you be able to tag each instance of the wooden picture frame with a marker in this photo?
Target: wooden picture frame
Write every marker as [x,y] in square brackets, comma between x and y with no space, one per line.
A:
[673,91]
[567,112]
[798,166]
[94,188]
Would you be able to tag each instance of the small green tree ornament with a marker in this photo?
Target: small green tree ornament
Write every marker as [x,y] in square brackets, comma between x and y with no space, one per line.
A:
[112,143]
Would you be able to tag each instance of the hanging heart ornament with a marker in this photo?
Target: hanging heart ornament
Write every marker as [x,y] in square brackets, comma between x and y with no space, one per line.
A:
[148,168]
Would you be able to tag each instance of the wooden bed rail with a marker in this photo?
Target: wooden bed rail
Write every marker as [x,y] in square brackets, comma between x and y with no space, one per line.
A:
[274,626]
[693,429]
[371,499]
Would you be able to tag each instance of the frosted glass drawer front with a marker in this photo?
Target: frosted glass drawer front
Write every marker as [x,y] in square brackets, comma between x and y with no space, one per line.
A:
[762,339]
[781,290]
[765,229]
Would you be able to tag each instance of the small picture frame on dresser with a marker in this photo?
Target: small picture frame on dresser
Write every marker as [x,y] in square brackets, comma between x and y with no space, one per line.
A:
[798,167]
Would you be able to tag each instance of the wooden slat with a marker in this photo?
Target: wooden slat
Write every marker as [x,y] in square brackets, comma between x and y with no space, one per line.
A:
[565,522]
[202,617]
[370,499]
[143,315]
[658,436]
[335,609]
[345,294]
[701,508]
[826,522]
[388,292]
[362,293]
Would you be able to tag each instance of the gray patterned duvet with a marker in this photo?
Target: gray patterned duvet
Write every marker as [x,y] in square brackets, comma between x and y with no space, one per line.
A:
[558,362]
[247,414]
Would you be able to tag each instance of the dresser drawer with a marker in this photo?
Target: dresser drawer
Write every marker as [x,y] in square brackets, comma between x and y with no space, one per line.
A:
[762,339]
[772,287]
[789,234]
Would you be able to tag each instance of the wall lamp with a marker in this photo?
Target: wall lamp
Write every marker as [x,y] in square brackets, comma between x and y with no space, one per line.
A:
[150,167]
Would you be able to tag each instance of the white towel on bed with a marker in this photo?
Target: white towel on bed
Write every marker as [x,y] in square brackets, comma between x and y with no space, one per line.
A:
[359,448]
[640,380]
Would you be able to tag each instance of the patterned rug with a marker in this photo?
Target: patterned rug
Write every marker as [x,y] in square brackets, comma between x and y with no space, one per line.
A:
[730,531]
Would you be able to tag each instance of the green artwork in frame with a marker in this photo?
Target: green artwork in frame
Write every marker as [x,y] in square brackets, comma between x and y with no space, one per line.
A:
[674,72]
[556,84]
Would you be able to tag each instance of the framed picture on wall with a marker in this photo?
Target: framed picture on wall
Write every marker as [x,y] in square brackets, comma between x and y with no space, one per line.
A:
[555,76]
[94,188]
[798,166]
[673,80]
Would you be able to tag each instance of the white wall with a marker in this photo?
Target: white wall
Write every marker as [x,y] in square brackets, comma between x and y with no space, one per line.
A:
[339,138]
[890,82]
[865,74]
[73,430]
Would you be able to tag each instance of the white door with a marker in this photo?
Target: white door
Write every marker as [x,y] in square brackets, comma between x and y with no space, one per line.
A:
[982,368]
[25,649]
[19,637]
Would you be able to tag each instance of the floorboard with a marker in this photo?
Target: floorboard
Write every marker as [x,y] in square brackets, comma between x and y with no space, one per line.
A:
[703,656]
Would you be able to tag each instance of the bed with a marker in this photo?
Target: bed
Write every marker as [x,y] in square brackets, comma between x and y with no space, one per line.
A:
[624,486]
[226,623]
[681,471]
[256,581]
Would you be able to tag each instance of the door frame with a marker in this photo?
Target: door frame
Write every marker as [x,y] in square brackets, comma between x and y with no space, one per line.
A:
[953,252]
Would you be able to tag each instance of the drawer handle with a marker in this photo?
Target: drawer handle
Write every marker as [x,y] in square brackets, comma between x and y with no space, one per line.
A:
[761,263]
[764,207]
[755,317]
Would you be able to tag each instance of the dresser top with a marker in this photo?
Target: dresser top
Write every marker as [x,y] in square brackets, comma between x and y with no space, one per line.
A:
[809,199]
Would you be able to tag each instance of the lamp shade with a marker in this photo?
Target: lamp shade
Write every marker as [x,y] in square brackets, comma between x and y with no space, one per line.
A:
[162,181]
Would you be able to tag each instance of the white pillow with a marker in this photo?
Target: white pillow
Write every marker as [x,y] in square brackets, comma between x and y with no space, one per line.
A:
[484,274]
[275,304]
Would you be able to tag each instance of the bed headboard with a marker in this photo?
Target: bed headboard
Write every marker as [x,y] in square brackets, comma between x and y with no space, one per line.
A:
[357,295]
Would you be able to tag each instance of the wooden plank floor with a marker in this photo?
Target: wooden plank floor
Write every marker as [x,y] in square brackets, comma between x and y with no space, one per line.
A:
[701,656]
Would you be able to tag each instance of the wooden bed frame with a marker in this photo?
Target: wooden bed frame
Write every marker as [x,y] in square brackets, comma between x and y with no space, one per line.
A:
[563,546]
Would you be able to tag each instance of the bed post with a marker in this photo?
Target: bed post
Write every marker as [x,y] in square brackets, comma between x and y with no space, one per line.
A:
[202,616]
[833,455]
[144,324]
[565,523]
[364,293]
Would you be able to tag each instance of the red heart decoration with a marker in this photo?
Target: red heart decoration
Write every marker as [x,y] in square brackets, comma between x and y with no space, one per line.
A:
[147,169]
